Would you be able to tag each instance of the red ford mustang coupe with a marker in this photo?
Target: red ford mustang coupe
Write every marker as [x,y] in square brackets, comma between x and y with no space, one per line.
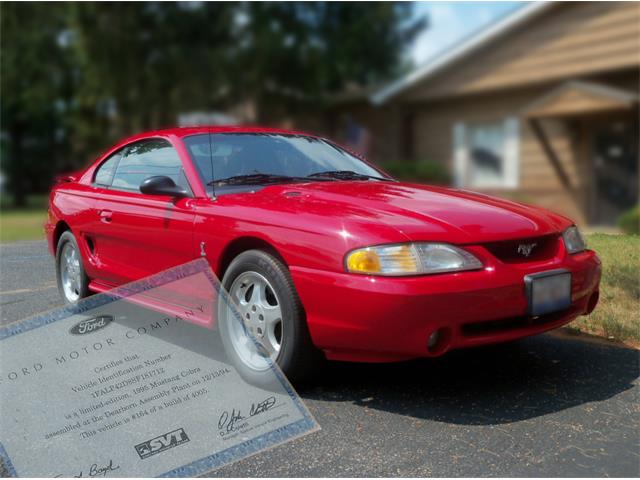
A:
[321,251]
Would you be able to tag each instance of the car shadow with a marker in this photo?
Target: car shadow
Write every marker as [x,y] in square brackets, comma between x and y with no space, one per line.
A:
[485,386]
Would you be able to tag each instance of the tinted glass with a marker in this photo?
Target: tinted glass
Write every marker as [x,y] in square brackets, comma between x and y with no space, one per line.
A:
[230,154]
[105,172]
[147,159]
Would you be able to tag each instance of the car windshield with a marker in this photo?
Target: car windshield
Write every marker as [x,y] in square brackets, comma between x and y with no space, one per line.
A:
[225,159]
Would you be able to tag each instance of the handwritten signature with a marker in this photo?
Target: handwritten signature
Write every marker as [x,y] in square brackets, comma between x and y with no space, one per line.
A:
[96,471]
[230,422]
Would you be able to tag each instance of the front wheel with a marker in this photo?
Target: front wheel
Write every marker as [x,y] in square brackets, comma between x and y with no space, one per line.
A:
[73,283]
[270,321]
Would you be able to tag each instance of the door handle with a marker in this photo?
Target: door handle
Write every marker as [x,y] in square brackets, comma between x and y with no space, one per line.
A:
[105,216]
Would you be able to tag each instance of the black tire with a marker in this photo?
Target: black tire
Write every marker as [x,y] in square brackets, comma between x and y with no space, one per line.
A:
[83,286]
[298,357]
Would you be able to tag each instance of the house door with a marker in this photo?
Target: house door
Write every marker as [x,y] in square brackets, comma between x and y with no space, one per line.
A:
[615,158]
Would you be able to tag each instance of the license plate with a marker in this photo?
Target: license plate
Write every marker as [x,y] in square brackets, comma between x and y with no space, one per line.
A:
[548,291]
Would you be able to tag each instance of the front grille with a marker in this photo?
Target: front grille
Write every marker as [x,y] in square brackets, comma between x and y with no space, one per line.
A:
[525,249]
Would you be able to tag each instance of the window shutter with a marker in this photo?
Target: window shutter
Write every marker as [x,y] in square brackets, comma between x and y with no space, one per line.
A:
[460,154]
[512,152]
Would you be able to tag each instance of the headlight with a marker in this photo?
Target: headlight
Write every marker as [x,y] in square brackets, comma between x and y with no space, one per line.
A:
[573,240]
[410,259]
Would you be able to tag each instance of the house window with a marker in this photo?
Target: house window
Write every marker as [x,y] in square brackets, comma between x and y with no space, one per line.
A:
[487,154]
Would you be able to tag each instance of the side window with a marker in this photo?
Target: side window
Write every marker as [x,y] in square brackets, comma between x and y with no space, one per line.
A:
[486,146]
[104,173]
[146,159]
[486,155]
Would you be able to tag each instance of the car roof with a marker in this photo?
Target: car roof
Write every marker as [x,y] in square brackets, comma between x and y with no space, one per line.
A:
[186,131]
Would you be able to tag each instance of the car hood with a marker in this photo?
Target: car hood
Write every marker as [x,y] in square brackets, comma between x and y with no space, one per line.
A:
[420,212]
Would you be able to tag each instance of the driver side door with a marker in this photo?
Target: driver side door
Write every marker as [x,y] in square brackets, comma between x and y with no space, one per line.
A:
[137,235]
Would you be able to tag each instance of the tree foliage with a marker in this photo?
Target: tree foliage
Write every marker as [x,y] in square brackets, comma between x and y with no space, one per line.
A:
[32,84]
[76,76]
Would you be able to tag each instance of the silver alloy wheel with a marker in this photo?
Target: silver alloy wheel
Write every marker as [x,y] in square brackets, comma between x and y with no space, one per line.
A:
[261,314]
[70,272]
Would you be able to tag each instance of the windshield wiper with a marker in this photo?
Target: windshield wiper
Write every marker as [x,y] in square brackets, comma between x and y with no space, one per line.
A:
[346,175]
[257,179]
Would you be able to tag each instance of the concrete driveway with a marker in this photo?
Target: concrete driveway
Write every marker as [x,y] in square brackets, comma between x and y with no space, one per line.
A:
[544,406]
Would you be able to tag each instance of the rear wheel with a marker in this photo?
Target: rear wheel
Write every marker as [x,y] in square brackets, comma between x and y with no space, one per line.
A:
[271,322]
[73,283]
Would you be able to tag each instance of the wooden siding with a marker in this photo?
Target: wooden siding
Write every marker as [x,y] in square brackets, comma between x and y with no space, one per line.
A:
[538,181]
[570,40]
[573,101]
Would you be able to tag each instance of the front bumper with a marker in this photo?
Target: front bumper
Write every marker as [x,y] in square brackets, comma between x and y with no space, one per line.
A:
[366,318]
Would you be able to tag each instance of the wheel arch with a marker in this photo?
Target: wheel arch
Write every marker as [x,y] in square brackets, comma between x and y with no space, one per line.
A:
[242,244]
[60,228]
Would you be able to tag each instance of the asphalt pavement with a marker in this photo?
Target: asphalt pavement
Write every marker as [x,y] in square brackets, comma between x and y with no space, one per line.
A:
[544,406]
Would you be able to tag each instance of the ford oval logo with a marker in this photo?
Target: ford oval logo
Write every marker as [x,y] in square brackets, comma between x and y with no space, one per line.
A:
[91,325]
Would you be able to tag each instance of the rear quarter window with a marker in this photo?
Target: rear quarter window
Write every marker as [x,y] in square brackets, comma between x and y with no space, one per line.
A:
[105,172]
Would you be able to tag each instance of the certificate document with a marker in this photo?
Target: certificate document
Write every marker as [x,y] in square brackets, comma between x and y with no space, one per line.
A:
[135,382]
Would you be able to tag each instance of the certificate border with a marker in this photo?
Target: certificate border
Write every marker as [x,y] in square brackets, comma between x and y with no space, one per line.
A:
[288,432]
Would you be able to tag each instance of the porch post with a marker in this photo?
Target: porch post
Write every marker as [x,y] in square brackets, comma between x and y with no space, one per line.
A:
[541,136]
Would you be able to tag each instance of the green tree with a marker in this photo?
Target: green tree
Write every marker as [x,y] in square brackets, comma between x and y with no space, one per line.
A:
[140,64]
[77,76]
[32,85]
[292,55]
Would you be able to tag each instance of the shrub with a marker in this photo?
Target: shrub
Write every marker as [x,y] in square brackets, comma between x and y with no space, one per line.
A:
[629,221]
[422,172]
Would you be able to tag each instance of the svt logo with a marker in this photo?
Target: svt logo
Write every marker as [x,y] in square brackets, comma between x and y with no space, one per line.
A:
[160,444]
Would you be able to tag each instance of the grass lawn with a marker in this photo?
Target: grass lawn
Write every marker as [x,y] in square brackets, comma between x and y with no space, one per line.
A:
[22,225]
[617,316]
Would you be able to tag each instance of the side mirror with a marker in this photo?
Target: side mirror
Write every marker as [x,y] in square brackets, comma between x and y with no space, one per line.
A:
[161,185]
